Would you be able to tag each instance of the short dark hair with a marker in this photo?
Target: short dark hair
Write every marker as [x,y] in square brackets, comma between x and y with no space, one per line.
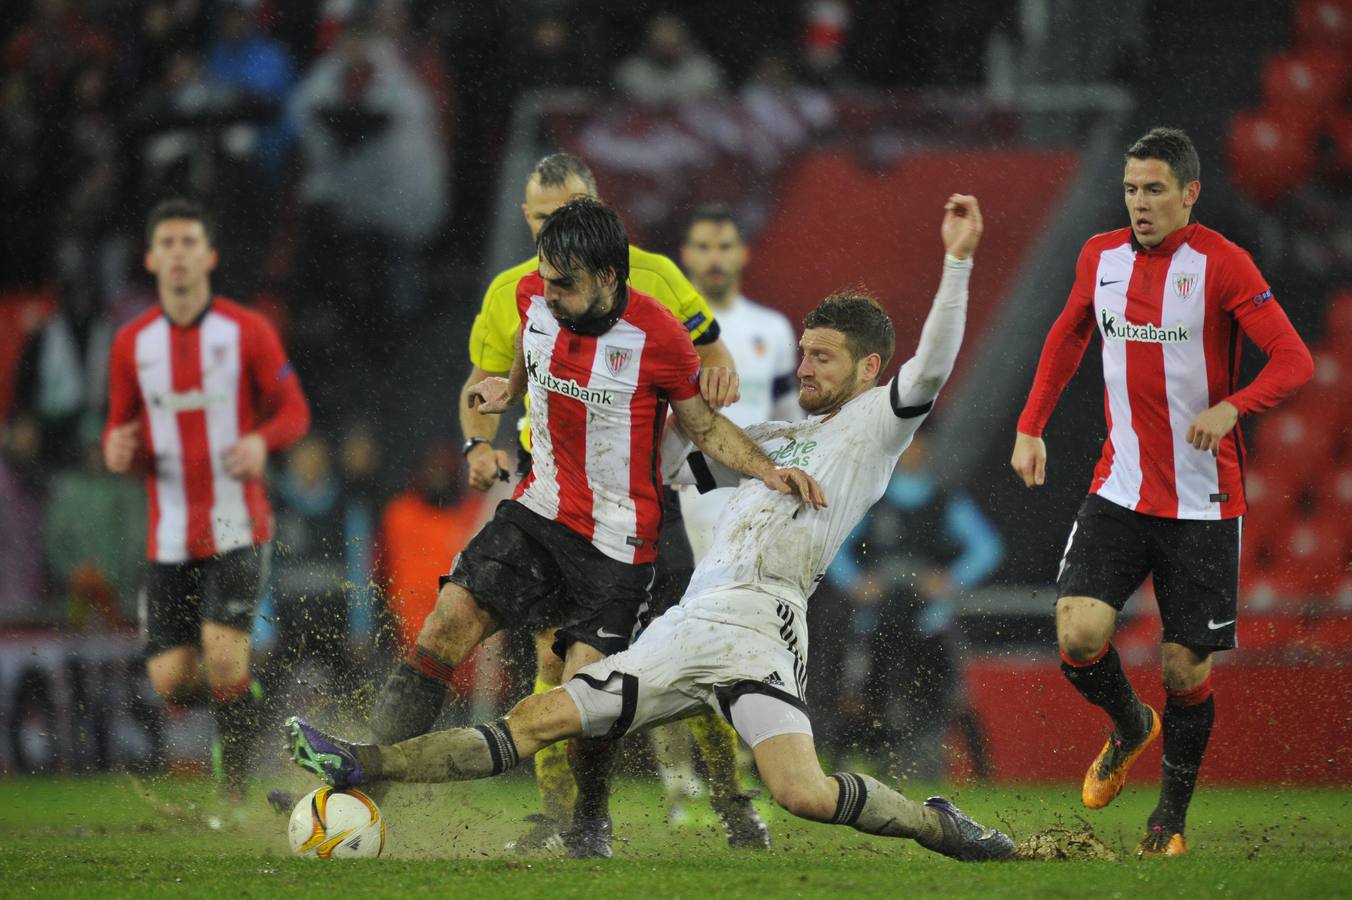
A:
[858,315]
[180,208]
[586,234]
[1172,146]
[716,213]
[555,169]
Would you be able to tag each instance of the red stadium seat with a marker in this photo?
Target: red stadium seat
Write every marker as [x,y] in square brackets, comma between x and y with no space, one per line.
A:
[1333,496]
[1299,438]
[1268,155]
[1322,24]
[1274,494]
[1313,558]
[1312,81]
[1338,324]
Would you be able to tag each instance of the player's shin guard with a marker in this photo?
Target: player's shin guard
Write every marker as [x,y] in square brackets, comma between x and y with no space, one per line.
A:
[1188,717]
[717,743]
[411,699]
[1102,682]
[554,775]
[237,711]
[592,760]
[459,754]
[866,804]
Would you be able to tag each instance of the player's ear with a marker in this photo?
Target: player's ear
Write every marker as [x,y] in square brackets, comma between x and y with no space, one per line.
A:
[1191,191]
[870,366]
[150,262]
[215,258]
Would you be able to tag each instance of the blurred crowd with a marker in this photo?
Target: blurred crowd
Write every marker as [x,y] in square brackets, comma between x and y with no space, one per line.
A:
[346,149]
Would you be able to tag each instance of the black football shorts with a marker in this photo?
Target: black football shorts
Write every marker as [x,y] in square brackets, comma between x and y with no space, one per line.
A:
[177,598]
[1195,564]
[527,570]
[675,559]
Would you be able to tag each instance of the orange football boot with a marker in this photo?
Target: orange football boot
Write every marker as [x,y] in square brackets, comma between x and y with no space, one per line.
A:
[1161,841]
[1108,772]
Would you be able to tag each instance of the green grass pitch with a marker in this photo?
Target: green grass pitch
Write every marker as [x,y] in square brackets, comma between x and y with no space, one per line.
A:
[117,837]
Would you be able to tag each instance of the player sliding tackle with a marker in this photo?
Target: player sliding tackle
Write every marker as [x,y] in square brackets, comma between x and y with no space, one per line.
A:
[737,642]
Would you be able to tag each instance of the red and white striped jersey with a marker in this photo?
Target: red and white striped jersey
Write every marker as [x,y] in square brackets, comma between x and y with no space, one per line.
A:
[196,390]
[1170,319]
[598,404]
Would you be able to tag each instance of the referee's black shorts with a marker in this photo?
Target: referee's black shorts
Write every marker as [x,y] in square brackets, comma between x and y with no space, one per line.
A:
[1195,564]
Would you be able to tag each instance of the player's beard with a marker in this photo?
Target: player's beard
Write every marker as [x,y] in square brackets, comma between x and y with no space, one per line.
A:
[717,292]
[826,402]
[590,314]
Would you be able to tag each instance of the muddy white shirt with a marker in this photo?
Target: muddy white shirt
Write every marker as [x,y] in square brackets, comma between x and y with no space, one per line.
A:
[775,544]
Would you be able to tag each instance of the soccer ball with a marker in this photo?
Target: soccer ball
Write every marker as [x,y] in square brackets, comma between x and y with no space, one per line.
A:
[331,824]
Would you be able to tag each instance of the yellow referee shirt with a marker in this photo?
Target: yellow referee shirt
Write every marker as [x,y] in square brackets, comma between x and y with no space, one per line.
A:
[492,341]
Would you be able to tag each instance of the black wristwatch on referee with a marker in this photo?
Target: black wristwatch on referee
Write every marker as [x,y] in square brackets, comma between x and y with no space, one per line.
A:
[503,474]
[469,444]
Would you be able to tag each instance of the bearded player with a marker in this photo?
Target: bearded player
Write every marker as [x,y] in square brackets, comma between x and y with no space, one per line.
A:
[554,181]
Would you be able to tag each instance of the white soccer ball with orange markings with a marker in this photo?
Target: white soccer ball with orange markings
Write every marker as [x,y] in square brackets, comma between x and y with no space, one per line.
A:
[332,824]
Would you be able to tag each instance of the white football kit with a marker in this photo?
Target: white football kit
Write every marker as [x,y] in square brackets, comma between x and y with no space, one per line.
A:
[763,343]
[738,640]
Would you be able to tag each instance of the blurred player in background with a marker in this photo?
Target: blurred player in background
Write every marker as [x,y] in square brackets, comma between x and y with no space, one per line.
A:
[576,545]
[1170,299]
[736,642]
[555,180]
[763,343]
[200,392]
[904,568]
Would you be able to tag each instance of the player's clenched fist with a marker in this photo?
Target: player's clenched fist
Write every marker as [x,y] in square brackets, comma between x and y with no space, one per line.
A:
[719,386]
[789,480]
[961,229]
[247,459]
[1029,459]
[1212,425]
[492,396]
[119,447]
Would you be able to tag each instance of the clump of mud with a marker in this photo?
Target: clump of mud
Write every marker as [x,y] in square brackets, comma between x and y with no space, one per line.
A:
[1059,842]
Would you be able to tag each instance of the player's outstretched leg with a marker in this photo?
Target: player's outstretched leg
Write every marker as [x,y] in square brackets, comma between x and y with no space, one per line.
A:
[457,754]
[717,743]
[788,764]
[1188,716]
[1091,664]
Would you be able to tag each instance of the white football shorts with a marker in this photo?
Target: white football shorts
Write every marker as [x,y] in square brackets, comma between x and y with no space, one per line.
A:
[683,663]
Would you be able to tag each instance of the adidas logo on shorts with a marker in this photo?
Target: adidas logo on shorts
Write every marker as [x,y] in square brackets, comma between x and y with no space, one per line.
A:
[773,679]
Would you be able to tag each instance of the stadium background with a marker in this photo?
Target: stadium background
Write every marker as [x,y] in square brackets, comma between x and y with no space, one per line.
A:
[834,129]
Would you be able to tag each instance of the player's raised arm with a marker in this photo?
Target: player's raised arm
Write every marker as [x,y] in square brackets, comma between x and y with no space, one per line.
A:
[919,381]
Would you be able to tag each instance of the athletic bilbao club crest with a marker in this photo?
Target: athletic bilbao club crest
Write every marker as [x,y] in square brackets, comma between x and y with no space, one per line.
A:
[617,358]
[1184,282]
